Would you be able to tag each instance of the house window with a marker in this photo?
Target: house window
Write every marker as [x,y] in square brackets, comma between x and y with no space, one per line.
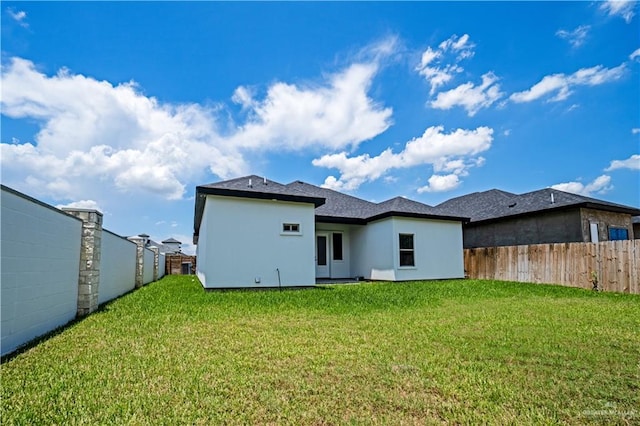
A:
[337,246]
[618,234]
[290,228]
[407,257]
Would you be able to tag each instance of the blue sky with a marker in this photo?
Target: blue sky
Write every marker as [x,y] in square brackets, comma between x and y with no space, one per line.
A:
[126,107]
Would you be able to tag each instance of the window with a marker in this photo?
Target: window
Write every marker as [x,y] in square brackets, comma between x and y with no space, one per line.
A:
[291,228]
[321,250]
[618,234]
[407,257]
[337,246]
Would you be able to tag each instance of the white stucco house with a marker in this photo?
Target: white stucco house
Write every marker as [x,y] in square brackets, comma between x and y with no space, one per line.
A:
[253,232]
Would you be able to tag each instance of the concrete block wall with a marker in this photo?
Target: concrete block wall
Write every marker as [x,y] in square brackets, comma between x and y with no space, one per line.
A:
[149,260]
[161,265]
[118,267]
[57,265]
[40,251]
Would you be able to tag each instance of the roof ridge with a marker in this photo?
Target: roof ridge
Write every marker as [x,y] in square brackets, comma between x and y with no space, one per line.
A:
[342,194]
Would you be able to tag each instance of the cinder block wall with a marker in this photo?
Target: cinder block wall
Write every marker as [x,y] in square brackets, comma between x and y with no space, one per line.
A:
[148,266]
[117,267]
[40,251]
[57,265]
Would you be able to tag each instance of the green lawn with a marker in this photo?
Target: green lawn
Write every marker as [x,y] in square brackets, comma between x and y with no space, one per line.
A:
[462,351]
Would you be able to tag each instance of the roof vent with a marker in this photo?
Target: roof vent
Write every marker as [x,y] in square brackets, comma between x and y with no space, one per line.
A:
[250,184]
[552,199]
[512,205]
[265,180]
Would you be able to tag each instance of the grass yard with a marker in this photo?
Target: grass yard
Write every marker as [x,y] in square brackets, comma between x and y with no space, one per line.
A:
[464,351]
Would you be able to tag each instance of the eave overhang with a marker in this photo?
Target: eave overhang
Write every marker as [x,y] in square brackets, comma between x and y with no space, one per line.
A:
[203,191]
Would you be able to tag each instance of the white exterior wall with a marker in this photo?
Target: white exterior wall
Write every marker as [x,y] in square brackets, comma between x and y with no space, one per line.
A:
[162,266]
[438,250]
[117,266]
[202,247]
[338,268]
[437,244]
[147,273]
[241,241]
[372,251]
[40,257]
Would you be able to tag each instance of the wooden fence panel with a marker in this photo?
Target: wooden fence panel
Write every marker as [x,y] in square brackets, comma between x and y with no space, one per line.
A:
[615,264]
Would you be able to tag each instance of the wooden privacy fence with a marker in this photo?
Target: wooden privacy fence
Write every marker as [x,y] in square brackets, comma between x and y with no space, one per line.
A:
[613,265]
[180,264]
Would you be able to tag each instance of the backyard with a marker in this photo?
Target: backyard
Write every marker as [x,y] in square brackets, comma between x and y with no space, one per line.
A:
[431,352]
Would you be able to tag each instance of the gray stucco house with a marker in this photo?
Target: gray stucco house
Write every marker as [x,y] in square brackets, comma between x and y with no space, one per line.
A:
[499,218]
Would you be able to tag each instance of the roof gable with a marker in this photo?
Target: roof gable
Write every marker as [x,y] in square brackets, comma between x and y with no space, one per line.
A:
[171,240]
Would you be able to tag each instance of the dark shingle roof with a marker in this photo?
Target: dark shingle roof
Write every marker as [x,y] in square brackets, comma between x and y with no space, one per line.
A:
[171,240]
[495,204]
[341,207]
[331,206]
[248,187]
[254,187]
[401,206]
[337,205]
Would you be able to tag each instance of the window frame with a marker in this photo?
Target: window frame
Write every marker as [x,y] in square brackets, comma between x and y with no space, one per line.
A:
[617,230]
[411,250]
[294,228]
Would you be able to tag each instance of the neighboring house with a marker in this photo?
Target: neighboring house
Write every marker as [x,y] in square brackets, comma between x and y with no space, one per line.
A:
[172,245]
[499,218]
[169,246]
[636,226]
[176,262]
[251,232]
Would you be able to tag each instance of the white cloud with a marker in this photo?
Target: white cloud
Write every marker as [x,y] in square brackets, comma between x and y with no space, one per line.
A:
[561,84]
[452,152]
[440,65]
[336,115]
[576,37]
[622,8]
[461,46]
[19,16]
[635,130]
[81,204]
[635,54]
[94,134]
[472,98]
[600,185]
[439,183]
[632,163]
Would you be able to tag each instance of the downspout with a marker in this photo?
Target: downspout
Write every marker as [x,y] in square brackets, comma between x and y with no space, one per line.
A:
[279,282]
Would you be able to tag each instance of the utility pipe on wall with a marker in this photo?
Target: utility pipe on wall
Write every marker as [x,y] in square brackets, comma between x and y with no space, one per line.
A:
[279,282]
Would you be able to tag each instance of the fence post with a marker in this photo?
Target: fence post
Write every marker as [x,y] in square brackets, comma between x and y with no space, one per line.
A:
[90,253]
[156,262]
[140,243]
